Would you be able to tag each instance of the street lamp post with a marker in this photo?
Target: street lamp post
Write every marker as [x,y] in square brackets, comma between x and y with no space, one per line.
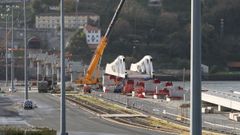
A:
[25,52]
[195,87]
[12,64]
[222,27]
[76,14]
[12,61]
[6,51]
[6,42]
[63,107]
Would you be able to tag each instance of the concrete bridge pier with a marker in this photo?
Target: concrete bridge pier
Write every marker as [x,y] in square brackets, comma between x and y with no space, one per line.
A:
[39,66]
[48,70]
[58,74]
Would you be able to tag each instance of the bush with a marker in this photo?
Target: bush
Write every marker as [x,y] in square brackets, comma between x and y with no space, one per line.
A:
[17,131]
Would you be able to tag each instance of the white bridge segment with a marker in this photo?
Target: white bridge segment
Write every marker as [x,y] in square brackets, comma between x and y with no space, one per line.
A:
[222,99]
[117,67]
[144,66]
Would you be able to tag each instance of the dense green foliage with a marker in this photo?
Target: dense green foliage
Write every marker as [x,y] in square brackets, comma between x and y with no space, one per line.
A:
[164,32]
[78,47]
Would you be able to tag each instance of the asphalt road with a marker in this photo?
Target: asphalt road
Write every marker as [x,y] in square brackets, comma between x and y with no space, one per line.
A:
[47,114]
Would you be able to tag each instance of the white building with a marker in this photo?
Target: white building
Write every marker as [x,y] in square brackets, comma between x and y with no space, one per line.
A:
[93,36]
[154,3]
[72,21]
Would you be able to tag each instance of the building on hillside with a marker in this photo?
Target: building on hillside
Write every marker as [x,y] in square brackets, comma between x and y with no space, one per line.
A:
[54,8]
[72,20]
[93,36]
[154,3]
[234,66]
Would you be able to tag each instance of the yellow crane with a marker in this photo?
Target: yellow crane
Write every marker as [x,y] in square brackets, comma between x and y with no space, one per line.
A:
[89,78]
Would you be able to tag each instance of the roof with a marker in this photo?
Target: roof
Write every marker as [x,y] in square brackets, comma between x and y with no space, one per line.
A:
[92,46]
[91,28]
[234,64]
[68,14]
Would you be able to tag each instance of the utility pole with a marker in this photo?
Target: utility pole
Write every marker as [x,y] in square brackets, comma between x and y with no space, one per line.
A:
[221,28]
[62,58]
[76,13]
[25,52]
[196,118]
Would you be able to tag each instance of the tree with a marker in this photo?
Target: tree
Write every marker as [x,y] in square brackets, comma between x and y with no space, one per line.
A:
[36,6]
[79,48]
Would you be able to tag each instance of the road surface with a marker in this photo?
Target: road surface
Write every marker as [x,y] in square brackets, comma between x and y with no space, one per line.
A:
[79,122]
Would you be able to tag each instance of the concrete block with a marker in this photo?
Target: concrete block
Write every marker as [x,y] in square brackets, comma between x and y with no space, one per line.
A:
[168,99]
[155,96]
[133,93]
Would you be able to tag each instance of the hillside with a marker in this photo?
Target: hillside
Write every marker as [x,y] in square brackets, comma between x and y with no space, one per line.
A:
[164,32]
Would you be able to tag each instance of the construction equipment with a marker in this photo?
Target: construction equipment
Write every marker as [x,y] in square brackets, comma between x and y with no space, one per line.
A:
[45,85]
[91,78]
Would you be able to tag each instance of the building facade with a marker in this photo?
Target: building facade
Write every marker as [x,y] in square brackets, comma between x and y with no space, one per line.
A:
[72,21]
[93,36]
[155,3]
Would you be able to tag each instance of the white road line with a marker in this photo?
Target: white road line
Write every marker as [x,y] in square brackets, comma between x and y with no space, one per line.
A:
[219,125]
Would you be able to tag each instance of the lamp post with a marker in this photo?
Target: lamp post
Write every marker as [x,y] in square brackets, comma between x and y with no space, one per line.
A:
[221,27]
[6,51]
[63,107]
[195,85]
[12,62]
[25,51]
[6,43]
[76,14]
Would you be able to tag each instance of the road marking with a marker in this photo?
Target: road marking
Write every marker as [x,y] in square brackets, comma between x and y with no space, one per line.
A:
[219,125]
[122,115]
[13,121]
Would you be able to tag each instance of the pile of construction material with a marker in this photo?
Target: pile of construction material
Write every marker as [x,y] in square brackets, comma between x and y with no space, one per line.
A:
[43,86]
[234,116]
[138,81]
[207,110]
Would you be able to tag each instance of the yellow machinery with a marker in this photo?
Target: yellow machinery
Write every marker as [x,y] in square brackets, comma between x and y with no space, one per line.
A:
[89,78]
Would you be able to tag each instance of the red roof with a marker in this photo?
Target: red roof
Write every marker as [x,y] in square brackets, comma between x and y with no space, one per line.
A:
[91,28]
[234,64]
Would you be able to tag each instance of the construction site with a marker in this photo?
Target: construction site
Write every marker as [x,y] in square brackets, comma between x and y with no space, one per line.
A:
[110,96]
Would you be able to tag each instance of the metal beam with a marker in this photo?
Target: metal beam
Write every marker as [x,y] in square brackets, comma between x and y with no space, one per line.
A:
[196,118]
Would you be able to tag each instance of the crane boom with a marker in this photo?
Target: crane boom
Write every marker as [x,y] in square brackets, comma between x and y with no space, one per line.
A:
[100,49]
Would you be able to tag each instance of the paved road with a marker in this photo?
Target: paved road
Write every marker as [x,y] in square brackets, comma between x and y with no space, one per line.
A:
[47,114]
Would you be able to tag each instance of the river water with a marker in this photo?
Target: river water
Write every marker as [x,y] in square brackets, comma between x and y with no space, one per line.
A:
[214,85]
